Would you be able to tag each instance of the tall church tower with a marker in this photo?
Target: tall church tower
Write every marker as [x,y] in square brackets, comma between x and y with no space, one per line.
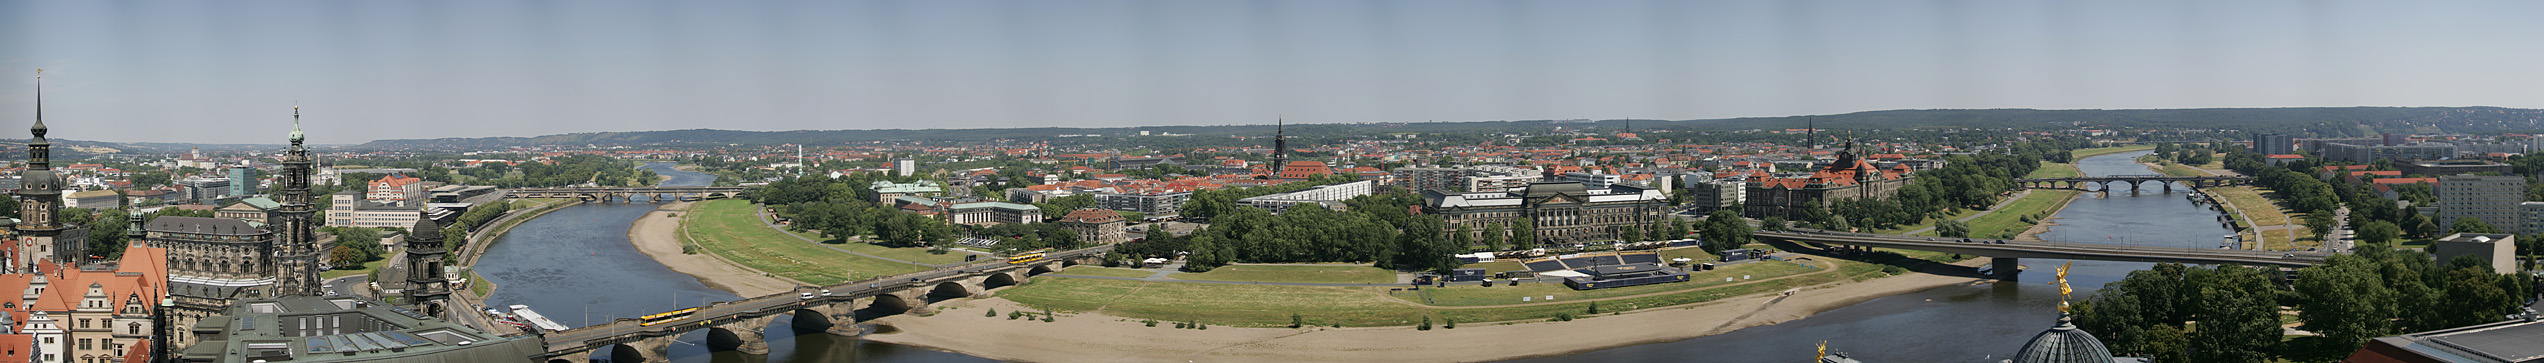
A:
[1280,148]
[296,251]
[39,201]
[425,286]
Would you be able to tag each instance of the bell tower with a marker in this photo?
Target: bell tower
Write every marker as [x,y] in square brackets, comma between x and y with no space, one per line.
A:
[296,251]
[425,286]
[39,203]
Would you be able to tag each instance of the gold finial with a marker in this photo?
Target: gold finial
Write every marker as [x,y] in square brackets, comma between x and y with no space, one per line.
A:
[1823,352]
[2063,290]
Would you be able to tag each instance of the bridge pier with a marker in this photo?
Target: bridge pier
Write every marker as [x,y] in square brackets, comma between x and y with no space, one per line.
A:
[648,350]
[2007,268]
[751,334]
[837,319]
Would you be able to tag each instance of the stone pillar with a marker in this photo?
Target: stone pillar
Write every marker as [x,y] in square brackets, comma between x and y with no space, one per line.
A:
[842,317]
[753,332]
[2007,268]
[648,350]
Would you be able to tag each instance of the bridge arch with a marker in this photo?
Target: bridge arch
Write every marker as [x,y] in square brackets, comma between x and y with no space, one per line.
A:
[886,305]
[723,338]
[950,290]
[998,280]
[1037,270]
[629,353]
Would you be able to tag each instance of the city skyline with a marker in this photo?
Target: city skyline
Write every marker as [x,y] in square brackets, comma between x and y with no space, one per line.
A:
[219,73]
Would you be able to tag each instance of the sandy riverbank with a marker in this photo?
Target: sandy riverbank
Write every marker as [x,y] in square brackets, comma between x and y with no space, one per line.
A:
[1096,337]
[657,234]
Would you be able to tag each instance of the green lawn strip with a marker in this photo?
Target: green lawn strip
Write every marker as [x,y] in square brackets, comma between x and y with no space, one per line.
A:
[912,254]
[2056,170]
[479,285]
[366,269]
[1692,254]
[2173,169]
[1929,222]
[2008,220]
[1329,274]
[1510,295]
[1541,312]
[729,229]
[1091,270]
[2084,153]
[1217,304]
[2249,201]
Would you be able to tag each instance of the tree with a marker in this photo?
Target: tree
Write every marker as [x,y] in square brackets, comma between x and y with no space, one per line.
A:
[345,258]
[1629,233]
[2423,227]
[2320,222]
[1422,248]
[106,233]
[1464,238]
[2345,300]
[1952,228]
[1494,237]
[2472,225]
[1773,223]
[2380,232]
[1724,230]
[2239,323]
[1524,235]
[1205,255]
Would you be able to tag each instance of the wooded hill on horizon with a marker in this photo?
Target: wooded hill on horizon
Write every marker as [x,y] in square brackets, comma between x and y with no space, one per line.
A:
[2300,121]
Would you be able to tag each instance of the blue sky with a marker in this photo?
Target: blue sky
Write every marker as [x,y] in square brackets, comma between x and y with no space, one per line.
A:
[228,72]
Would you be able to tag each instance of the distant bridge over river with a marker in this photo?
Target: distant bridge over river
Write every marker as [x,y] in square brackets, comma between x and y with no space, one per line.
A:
[2080,183]
[627,194]
[2007,253]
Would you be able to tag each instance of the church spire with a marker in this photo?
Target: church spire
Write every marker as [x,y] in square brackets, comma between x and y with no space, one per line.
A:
[1280,145]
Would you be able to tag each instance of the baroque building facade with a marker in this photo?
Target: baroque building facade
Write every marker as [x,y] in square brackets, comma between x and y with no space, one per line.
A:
[1847,178]
[213,263]
[1562,212]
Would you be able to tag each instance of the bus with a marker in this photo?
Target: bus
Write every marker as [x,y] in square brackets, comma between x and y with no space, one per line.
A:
[667,317]
[1028,257]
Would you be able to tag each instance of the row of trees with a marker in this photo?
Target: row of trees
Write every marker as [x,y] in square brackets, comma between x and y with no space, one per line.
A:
[1377,229]
[1964,182]
[2230,313]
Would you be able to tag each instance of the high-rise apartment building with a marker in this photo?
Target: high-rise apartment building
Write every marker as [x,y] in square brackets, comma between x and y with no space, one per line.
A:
[2491,199]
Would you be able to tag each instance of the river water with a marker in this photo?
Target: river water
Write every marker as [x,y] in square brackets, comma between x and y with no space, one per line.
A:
[580,258]
[577,266]
[1961,323]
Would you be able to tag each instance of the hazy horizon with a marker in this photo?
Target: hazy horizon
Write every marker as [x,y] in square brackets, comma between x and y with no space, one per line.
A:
[228,73]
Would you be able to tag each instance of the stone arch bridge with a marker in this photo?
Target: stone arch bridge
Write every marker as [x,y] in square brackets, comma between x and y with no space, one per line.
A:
[741,325]
[627,194]
[2134,181]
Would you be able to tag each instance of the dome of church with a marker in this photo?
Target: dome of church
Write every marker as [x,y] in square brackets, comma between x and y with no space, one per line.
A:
[2063,344]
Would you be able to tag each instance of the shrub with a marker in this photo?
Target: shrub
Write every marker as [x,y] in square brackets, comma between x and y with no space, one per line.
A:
[1449,323]
[1297,321]
[1012,315]
[992,313]
[1151,323]
[1561,317]
[1894,270]
[1426,323]
[1594,307]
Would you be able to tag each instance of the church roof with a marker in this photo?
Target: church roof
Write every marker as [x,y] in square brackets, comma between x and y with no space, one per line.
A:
[200,225]
[2063,344]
